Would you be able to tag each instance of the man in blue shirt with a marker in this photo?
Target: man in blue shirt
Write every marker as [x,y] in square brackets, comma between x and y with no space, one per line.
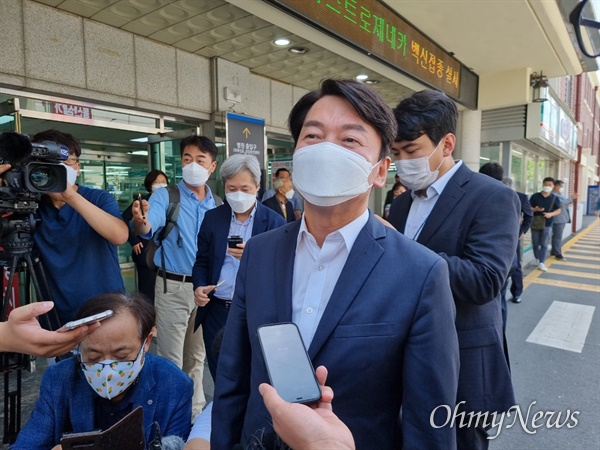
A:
[175,307]
[77,238]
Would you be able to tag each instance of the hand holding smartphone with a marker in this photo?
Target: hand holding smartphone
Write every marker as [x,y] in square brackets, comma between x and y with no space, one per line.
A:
[233,241]
[290,369]
[85,321]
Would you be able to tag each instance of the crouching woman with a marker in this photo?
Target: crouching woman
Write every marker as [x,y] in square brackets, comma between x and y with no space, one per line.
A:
[110,376]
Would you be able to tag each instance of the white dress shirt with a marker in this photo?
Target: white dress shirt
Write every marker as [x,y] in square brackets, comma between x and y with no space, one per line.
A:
[316,272]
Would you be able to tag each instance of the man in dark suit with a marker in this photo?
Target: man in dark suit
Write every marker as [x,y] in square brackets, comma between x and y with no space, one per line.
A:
[516,277]
[455,212]
[281,201]
[372,306]
[243,216]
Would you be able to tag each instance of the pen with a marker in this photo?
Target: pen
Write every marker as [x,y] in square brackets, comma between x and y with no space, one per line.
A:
[141,207]
[217,285]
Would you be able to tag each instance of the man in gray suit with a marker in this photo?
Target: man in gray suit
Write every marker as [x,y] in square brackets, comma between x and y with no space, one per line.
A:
[472,222]
[560,221]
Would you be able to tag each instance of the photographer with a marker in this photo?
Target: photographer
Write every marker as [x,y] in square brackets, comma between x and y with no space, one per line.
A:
[77,237]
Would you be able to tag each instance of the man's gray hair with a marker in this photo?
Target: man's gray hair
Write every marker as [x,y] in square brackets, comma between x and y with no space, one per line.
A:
[238,162]
[507,181]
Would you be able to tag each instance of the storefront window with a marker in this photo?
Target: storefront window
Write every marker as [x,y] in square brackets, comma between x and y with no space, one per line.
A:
[531,175]
[489,153]
[516,169]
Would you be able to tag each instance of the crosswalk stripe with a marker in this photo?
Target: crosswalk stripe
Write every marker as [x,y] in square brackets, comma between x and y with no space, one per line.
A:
[564,326]
[566,284]
[562,270]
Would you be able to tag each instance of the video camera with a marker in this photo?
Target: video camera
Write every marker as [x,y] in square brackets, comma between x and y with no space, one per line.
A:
[35,170]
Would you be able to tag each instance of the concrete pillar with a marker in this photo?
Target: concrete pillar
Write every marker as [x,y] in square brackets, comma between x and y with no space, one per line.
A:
[469,133]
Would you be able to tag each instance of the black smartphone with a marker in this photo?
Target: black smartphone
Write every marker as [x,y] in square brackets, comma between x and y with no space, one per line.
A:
[290,370]
[233,241]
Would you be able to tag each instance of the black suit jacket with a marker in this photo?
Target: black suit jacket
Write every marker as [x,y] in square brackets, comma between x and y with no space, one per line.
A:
[386,337]
[526,213]
[212,244]
[273,203]
[474,227]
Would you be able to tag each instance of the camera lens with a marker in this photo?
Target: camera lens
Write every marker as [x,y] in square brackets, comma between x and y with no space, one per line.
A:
[43,178]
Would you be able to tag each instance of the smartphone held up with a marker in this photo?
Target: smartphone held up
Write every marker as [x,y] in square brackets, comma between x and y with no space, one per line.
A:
[289,367]
[86,321]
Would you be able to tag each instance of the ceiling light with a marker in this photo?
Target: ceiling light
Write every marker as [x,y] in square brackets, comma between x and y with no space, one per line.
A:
[371,81]
[298,50]
[282,42]
[362,77]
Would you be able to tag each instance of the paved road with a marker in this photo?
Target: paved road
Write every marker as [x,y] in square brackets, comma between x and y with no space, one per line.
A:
[554,344]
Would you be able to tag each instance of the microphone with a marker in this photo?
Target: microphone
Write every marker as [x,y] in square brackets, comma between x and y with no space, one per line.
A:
[14,147]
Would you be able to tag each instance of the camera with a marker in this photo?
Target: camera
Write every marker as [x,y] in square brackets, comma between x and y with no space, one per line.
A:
[35,170]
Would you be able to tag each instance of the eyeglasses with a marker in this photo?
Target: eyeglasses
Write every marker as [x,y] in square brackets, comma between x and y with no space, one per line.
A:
[115,365]
[71,162]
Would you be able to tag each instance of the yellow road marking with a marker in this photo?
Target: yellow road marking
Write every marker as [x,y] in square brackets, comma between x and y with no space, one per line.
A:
[567,284]
[592,276]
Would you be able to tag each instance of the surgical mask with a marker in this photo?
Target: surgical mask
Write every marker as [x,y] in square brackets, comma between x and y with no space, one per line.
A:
[415,173]
[547,189]
[289,194]
[561,190]
[326,174]
[71,175]
[157,186]
[111,378]
[194,174]
[239,201]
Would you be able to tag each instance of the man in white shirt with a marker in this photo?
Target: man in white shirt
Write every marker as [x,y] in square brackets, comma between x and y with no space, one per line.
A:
[371,305]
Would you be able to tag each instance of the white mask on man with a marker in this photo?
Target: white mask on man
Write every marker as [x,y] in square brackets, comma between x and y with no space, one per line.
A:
[547,189]
[71,175]
[194,174]
[239,201]
[326,174]
[415,173]
[289,194]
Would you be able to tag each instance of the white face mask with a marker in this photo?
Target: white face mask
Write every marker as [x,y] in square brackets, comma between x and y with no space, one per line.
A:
[561,190]
[110,378]
[239,201]
[71,175]
[415,173]
[547,189]
[327,174]
[289,194]
[157,186]
[194,174]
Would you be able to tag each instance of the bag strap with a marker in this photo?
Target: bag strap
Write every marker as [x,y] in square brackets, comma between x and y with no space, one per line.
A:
[172,216]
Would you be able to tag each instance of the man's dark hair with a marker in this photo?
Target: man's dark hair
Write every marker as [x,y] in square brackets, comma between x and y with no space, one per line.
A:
[558,182]
[280,170]
[61,138]
[427,112]
[137,305]
[368,104]
[493,170]
[202,142]
[548,179]
[151,178]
